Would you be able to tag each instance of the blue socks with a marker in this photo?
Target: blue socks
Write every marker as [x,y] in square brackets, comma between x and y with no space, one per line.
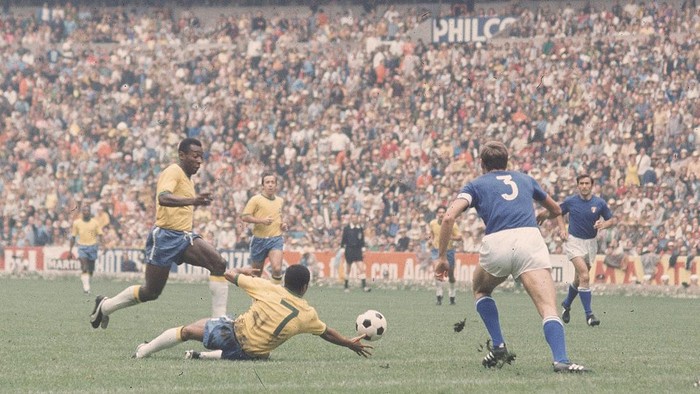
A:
[552,326]
[586,300]
[554,334]
[486,307]
[571,296]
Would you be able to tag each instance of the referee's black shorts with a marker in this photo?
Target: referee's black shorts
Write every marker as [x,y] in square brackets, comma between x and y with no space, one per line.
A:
[352,255]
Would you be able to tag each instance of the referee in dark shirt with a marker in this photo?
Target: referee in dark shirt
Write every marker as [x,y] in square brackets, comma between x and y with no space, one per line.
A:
[353,241]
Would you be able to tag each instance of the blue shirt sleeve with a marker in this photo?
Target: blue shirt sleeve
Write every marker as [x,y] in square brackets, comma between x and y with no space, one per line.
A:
[537,193]
[565,206]
[605,211]
[469,189]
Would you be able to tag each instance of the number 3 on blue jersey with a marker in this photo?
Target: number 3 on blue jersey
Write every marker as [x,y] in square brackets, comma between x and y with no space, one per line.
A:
[508,180]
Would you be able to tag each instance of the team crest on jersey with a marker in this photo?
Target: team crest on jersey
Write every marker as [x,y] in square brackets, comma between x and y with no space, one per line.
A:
[593,209]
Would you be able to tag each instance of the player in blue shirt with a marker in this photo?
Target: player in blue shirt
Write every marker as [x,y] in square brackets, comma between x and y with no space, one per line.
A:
[512,245]
[587,215]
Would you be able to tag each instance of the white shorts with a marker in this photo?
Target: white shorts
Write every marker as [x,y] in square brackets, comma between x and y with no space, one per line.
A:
[577,247]
[513,252]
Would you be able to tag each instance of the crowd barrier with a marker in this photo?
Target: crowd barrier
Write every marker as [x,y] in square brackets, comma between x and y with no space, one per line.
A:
[380,266]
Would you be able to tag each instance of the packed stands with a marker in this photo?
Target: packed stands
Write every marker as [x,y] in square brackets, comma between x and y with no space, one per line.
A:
[352,113]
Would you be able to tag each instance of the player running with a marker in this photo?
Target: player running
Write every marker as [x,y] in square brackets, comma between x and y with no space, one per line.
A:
[512,245]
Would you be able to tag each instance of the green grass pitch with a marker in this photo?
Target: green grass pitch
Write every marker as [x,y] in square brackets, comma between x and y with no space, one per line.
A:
[644,344]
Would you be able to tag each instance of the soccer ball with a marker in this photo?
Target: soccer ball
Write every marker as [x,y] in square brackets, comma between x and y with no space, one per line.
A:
[371,324]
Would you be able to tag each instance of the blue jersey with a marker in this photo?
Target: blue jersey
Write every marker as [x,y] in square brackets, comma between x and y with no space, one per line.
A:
[503,199]
[583,214]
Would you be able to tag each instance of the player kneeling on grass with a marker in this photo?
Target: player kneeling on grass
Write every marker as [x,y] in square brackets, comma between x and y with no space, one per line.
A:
[249,337]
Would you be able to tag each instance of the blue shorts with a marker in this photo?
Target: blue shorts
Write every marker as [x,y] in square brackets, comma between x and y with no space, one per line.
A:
[164,247]
[220,335]
[450,256]
[260,247]
[87,252]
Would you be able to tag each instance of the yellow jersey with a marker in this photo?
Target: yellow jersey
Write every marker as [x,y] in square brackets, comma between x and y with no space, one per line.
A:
[260,206]
[435,229]
[174,180]
[276,315]
[86,233]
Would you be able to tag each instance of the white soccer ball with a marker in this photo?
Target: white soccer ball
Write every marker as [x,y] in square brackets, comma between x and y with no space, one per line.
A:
[371,324]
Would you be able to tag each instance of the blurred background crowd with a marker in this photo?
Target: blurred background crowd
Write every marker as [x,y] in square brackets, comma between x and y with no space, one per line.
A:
[353,114]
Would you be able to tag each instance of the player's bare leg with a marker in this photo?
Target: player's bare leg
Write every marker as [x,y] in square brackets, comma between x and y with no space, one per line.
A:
[582,283]
[85,275]
[156,278]
[540,286]
[348,270]
[203,254]
[362,274]
[573,289]
[172,337]
[452,280]
[275,256]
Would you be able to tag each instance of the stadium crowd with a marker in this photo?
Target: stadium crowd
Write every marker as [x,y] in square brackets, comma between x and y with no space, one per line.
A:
[352,114]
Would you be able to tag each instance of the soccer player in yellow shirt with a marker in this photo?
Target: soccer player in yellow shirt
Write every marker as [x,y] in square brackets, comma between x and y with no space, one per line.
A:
[264,210]
[86,232]
[172,241]
[434,238]
[277,314]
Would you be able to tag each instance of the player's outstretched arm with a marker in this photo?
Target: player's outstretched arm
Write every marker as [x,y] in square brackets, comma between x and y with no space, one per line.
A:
[230,275]
[446,227]
[555,213]
[353,344]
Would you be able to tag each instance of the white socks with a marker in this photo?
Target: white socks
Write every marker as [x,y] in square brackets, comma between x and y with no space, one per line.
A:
[218,286]
[85,278]
[127,298]
[167,339]
[212,355]
[453,291]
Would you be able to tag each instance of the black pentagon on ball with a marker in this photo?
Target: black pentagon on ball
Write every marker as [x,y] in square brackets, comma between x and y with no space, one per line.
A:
[380,331]
[367,323]
[356,326]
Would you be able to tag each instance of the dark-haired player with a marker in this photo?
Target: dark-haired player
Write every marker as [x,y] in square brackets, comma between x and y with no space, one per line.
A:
[250,336]
[512,245]
[587,215]
[171,240]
